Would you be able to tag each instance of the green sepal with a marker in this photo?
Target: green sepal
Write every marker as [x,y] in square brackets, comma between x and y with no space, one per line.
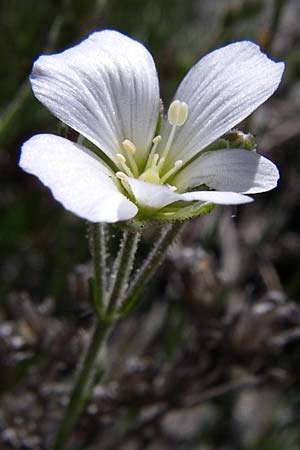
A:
[168,214]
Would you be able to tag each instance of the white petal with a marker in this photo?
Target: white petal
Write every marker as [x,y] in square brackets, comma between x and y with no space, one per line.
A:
[150,195]
[221,90]
[155,196]
[234,170]
[76,177]
[106,88]
[219,198]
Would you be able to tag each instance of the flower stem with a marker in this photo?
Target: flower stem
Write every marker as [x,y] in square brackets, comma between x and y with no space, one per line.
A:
[168,234]
[83,385]
[90,366]
[98,251]
[125,261]
[89,369]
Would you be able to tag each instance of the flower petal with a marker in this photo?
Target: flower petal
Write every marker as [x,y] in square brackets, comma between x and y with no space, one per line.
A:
[156,196]
[234,170]
[221,90]
[217,197]
[150,195]
[106,88]
[76,177]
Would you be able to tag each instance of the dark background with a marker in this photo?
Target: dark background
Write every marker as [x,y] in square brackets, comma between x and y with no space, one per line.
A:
[210,360]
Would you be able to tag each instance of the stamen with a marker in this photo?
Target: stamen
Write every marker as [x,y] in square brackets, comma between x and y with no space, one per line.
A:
[130,149]
[122,163]
[177,113]
[169,142]
[123,178]
[155,141]
[170,172]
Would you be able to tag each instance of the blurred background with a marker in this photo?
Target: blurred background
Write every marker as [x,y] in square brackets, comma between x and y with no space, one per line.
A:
[210,359]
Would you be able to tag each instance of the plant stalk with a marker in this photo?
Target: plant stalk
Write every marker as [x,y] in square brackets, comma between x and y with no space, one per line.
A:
[125,261]
[83,385]
[156,256]
[89,369]
[98,251]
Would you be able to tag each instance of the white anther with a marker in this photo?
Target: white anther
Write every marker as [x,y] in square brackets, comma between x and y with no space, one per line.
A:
[121,176]
[178,162]
[157,139]
[172,188]
[120,158]
[177,113]
[123,164]
[171,172]
[129,147]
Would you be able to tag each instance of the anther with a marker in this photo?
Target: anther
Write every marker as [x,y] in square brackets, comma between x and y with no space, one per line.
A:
[177,113]
[123,178]
[129,147]
[178,163]
[157,139]
[122,162]
[120,158]
[170,172]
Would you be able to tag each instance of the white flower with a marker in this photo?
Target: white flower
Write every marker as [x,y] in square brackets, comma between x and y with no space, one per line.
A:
[106,88]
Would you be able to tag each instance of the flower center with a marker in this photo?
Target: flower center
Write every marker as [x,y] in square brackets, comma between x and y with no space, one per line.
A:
[153,171]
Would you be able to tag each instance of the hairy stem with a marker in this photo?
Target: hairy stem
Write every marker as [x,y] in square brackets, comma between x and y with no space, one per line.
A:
[90,366]
[83,385]
[168,234]
[125,260]
[98,251]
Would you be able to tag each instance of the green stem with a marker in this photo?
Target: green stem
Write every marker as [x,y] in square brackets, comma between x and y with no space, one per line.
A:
[83,385]
[89,369]
[150,265]
[124,265]
[98,251]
